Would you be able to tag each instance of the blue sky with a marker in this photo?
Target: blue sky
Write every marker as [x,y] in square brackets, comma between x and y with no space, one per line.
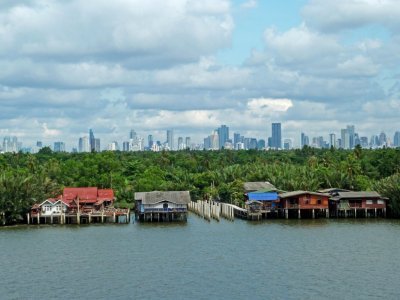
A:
[314,65]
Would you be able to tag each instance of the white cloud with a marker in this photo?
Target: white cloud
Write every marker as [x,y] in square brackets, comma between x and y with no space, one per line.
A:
[265,106]
[336,15]
[249,4]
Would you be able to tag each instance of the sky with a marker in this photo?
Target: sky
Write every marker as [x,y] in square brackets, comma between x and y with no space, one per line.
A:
[313,65]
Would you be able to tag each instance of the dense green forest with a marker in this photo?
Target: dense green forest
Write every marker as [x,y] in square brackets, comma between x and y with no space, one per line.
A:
[27,178]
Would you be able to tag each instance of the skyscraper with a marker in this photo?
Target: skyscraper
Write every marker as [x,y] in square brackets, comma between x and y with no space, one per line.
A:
[97,145]
[180,143]
[351,132]
[276,139]
[396,139]
[345,138]
[223,135]
[150,141]
[92,141]
[187,142]
[59,147]
[332,140]
[170,139]
[132,134]
[304,140]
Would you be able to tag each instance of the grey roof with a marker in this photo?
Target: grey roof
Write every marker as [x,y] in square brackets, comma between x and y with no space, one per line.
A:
[332,190]
[177,197]
[357,195]
[257,186]
[299,193]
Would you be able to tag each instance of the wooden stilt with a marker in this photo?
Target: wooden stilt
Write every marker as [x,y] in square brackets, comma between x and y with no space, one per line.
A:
[28,217]
[299,213]
[313,213]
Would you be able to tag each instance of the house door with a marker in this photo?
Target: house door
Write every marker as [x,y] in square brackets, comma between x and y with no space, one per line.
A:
[165,206]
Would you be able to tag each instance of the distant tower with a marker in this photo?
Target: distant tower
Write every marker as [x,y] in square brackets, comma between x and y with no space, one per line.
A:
[187,142]
[92,141]
[170,139]
[332,140]
[223,135]
[276,141]
[150,141]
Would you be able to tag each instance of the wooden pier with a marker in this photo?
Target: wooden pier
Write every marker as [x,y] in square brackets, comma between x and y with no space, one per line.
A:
[109,215]
[215,210]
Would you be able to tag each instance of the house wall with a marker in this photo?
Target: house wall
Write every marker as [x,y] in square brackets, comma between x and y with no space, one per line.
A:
[306,202]
[48,208]
[160,206]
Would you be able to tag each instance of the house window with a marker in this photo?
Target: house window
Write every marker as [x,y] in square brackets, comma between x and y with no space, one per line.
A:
[381,201]
[369,202]
[319,201]
[165,205]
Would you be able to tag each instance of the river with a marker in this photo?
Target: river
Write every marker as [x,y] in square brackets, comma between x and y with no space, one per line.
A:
[277,259]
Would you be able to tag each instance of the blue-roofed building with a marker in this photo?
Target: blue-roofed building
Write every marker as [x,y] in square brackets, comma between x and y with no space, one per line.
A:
[261,199]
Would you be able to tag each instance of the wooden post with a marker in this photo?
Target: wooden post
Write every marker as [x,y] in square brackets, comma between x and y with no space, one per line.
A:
[384,212]
[355,213]
[375,213]
[313,213]
[114,218]
[286,213]
[299,213]
[366,213]
[102,216]
[90,218]
[327,213]
[38,218]
[78,218]
[28,218]
[51,218]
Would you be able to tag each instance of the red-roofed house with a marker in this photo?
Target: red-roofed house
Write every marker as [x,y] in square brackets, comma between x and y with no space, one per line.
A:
[85,202]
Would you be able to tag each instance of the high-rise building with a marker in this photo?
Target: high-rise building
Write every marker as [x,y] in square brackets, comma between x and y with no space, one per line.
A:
[276,139]
[132,134]
[150,141]
[39,144]
[113,146]
[170,139]
[187,142]
[59,147]
[10,144]
[207,143]
[261,144]
[180,143]
[92,141]
[345,138]
[223,135]
[396,139]
[236,138]
[125,146]
[214,139]
[97,145]
[304,140]
[332,140]
[364,141]
[382,139]
[287,144]
[84,145]
[351,132]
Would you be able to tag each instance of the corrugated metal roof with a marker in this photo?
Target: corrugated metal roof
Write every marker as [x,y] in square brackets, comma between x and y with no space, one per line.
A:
[272,196]
[257,186]
[357,195]
[332,190]
[177,197]
[299,193]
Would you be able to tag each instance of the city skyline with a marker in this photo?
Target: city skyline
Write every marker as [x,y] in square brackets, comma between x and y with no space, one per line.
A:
[219,138]
[243,63]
